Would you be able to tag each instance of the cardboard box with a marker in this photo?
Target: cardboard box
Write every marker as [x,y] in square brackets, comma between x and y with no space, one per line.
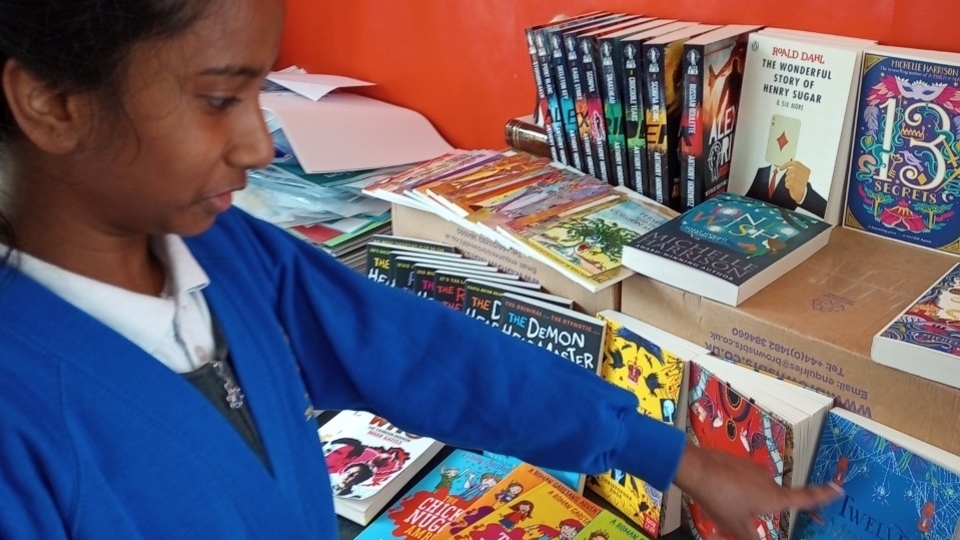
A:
[419,224]
[814,326]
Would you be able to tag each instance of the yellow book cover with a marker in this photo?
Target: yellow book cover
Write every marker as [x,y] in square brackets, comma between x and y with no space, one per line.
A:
[609,526]
[549,510]
[654,374]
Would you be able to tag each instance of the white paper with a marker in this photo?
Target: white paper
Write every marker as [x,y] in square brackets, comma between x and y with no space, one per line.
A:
[347,132]
[311,85]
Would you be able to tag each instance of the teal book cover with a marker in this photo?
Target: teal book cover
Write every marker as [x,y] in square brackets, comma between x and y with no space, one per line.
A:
[439,498]
[731,236]
[890,492]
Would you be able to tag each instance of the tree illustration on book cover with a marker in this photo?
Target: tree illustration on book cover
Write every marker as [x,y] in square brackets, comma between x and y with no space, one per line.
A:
[654,375]
[905,166]
[722,419]
[750,227]
[890,492]
[933,321]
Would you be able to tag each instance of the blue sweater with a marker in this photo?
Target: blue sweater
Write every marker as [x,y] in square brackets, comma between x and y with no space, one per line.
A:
[99,440]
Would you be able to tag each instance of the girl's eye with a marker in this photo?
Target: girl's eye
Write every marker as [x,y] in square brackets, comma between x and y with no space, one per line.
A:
[221,103]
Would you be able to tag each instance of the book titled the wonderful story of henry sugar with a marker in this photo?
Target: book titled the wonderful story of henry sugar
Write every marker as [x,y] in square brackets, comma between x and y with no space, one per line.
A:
[905,163]
[727,248]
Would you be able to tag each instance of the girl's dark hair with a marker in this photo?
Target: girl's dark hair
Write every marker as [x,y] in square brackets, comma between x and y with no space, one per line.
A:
[81,46]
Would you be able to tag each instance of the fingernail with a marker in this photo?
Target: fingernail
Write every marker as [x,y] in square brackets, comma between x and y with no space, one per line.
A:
[836,487]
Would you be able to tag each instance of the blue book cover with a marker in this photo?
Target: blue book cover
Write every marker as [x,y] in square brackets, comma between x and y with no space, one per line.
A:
[905,160]
[891,492]
[439,498]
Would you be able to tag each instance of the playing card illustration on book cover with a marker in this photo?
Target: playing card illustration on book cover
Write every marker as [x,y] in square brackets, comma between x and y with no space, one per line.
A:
[654,375]
[890,491]
[905,163]
[722,419]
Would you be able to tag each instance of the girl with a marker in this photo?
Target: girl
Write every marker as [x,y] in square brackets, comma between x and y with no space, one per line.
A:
[157,344]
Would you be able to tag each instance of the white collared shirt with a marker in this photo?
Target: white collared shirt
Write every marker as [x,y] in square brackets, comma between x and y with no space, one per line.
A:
[175,327]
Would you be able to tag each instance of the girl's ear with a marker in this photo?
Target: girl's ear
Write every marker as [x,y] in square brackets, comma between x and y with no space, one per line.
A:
[52,120]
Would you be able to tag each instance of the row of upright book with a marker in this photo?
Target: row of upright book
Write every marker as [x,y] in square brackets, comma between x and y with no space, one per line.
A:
[831,126]
[895,486]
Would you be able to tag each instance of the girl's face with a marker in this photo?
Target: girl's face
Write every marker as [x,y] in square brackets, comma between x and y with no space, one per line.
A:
[191,124]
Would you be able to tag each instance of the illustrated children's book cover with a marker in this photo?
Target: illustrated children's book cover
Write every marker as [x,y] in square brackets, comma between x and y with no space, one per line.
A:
[654,373]
[924,339]
[369,460]
[720,418]
[439,498]
[609,526]
[894,486]
[727,248]
[546,511]
[905,164]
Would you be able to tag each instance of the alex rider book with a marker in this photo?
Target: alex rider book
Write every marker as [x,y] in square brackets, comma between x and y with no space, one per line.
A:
[727,248]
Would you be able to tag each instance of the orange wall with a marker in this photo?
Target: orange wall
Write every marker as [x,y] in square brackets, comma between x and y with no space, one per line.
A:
[463,63]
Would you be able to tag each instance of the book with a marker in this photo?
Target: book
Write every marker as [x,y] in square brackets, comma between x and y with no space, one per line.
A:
[439,498]
[370,460]
[546,510]
[924,339]
[380,265]
[903,175]
[607,526]
[713,65]
[523,134]
[663,65]
[727,248]
[895,486]
[795,121]
[588,60]
[612,74]
[648,362]
[773,423]
[483,299]
[586,244]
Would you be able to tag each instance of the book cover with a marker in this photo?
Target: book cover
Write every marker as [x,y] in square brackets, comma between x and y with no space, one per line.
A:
[794,104]
[546,511]
[890,489]
[924,339]
[904,169]
[369,460]
[635,100]
[511,489]
[482,299]
[727,248]
[440,498]
[572,335]
[720,418]
[609,526]
[612,73]
[591,242]
[654,374]
[713,75]
[663,66]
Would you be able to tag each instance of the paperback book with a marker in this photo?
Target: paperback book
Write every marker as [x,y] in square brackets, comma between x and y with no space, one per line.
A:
[727,248]
[924,340]
[904,172]
[894,486]
[369,461]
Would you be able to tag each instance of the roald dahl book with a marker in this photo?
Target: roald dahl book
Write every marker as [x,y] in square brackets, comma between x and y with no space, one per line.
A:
[727,248]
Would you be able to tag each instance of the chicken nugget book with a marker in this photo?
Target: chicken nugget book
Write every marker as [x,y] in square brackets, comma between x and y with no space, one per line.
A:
[730,238]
